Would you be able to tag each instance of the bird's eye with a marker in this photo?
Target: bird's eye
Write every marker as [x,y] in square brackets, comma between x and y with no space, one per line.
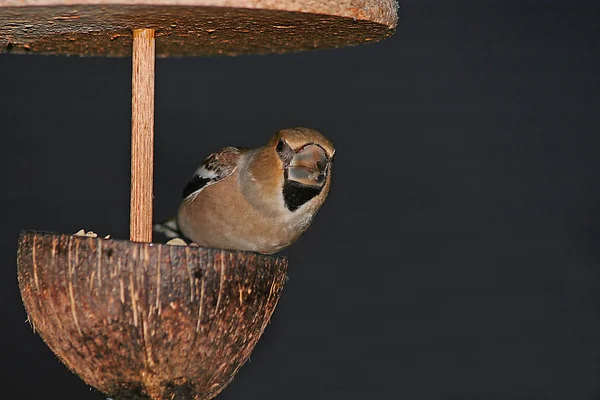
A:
[280,145]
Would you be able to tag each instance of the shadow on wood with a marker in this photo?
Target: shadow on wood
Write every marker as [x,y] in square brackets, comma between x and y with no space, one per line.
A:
[138,320]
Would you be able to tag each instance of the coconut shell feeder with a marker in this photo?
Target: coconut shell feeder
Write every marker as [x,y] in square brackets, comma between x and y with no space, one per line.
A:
[135,319]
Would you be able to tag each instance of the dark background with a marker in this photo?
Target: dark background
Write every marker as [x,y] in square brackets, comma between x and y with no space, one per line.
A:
[457,256]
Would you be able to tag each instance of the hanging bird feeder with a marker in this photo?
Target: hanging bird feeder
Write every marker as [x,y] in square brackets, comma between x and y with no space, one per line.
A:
[141,320]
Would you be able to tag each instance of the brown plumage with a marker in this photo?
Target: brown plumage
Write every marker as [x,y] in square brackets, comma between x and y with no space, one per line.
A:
[257,199]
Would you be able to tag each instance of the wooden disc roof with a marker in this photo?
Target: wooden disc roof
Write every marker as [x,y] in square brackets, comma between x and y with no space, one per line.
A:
[191,27]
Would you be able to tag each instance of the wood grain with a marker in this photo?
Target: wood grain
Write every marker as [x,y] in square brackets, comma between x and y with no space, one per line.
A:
[192,27]
[147,321]
[142,135]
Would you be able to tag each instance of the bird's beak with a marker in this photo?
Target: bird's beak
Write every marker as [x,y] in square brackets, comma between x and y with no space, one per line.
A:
[308,165]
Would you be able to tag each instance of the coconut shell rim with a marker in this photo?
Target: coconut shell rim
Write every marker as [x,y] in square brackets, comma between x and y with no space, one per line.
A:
[24,232]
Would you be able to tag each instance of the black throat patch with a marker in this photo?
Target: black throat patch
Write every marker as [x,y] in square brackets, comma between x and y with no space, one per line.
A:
[295,194]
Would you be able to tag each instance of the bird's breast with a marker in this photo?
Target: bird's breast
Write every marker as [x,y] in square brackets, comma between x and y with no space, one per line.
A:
[222,215]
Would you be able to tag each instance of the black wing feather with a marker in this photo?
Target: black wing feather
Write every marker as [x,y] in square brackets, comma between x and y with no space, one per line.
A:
[216,167]
[197,183]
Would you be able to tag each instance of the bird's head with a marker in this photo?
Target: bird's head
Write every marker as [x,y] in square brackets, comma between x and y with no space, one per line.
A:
[296,164]
[305,154]
[306,157]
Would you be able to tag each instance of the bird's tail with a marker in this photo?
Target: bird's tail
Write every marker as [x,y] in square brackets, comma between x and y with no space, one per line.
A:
[169,228]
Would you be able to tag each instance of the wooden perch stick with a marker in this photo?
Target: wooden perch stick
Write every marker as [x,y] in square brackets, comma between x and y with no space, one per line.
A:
[142,135]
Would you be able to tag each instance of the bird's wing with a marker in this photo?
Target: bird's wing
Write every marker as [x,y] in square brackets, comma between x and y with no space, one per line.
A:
[215,168]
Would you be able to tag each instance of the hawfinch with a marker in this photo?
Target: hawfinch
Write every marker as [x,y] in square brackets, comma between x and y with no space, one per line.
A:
[260,199]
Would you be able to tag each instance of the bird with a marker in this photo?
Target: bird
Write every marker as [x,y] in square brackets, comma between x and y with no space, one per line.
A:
[259,200]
